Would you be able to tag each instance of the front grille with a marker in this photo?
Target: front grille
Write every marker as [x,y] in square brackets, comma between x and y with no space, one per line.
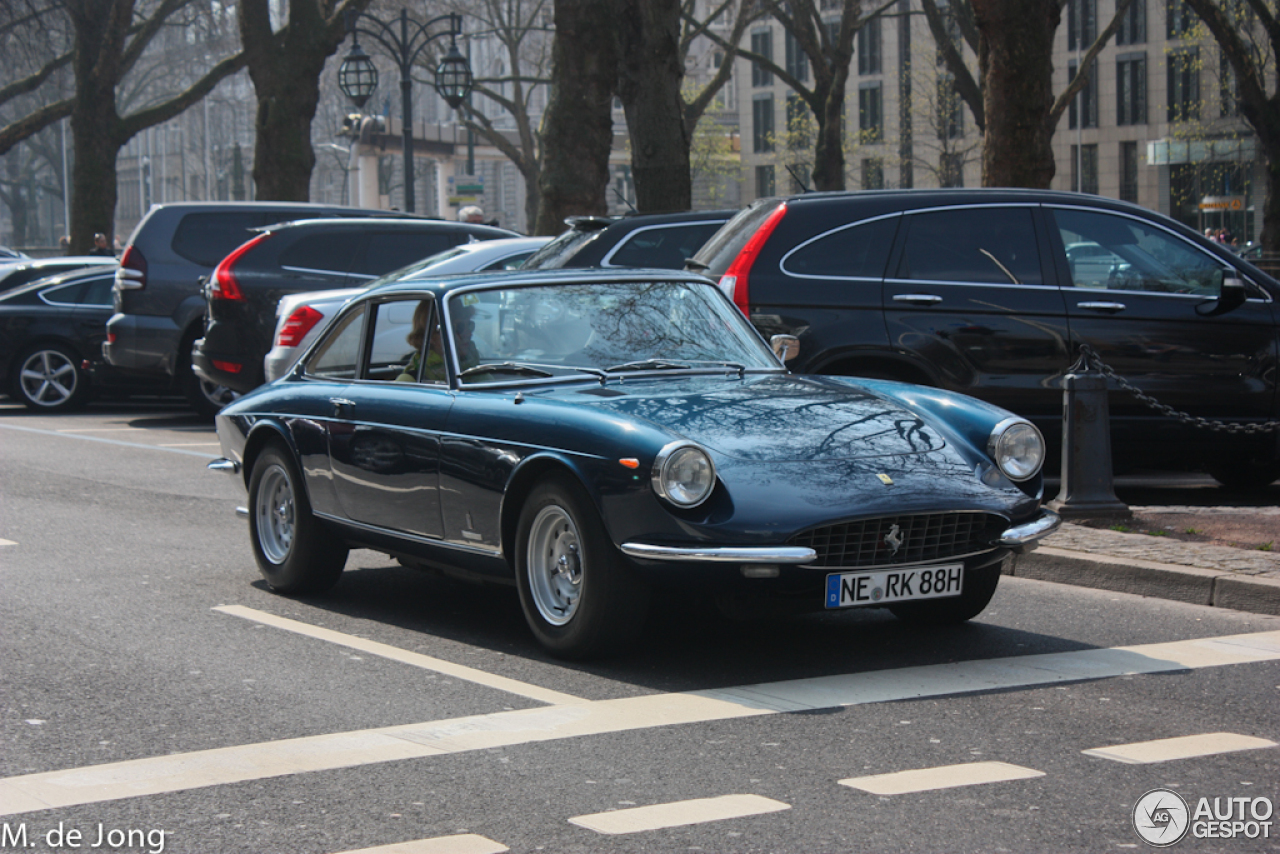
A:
[921,538]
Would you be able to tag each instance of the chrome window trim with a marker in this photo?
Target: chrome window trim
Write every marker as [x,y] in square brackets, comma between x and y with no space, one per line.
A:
[313,270]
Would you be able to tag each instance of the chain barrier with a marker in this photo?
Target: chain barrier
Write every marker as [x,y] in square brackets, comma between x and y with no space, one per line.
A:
[1090,359]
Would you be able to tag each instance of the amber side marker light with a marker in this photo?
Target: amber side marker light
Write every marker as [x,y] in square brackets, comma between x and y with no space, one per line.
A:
[630,462]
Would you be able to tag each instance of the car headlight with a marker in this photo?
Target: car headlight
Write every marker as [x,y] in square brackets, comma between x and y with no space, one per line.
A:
[1017,447]
[683,474]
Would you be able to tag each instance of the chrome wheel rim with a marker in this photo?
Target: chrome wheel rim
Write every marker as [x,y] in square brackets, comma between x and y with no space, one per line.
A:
[48,378]
[275,514]
[555,565]
[218,395]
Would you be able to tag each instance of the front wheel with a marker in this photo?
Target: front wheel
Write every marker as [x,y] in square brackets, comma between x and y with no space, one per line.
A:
[295,552]
[49,378]
[578,595]
[979,586]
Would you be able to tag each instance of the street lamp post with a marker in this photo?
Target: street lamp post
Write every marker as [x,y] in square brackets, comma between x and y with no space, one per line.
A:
[357,77]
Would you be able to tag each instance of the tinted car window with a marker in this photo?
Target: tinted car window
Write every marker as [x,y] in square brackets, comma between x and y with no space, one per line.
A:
[718,253]
[856,251]
[391,250]
[337,355]
[65,295]
[560,250]
[331,251]
[666,247]
[1133,256]
[98,292]
[207,238]
[988,245]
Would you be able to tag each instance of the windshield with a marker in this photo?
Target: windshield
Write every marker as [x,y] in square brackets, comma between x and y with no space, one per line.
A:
[607,327]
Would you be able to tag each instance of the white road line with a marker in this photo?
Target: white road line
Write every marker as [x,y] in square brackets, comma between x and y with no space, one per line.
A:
[190,445]
[117,442]
[178,772]
[426,662]
[101,430]
[1185,747]
[942,777]
[678,814]
[7,543]
[463,843]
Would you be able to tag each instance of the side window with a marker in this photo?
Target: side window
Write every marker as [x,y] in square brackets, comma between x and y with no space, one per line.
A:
[982,245]
[98,294]
[858,251]
[391,250]
[65,295]
[399,332]
[1122,254]
[337,356]
[665,248]
[328,251]
[207,238]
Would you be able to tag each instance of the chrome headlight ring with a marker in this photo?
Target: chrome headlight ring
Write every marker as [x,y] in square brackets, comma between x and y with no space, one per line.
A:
[1017,448]
[683,474]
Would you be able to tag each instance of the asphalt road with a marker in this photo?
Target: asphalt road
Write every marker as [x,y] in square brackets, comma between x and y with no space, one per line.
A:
[152,685]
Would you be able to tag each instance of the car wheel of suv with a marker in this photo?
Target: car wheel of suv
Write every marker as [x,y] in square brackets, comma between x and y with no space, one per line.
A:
[1245,475]
[579,597]
[979,586]
[295,552]
[49,378]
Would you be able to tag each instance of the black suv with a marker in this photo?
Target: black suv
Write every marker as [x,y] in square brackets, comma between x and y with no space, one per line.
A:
[159,307]
[309,255]
[992,292]
[665,241]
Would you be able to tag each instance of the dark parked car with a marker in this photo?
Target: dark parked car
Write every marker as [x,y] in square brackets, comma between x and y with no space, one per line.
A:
[584,435]
[641,240]
[48,329]
[159,305]
[308,255]
[20,271]
[992,292]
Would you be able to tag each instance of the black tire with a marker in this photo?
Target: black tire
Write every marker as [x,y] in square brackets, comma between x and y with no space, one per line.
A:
[48,378]
[295,552]
[979,586]
[1246,475]
[579,596]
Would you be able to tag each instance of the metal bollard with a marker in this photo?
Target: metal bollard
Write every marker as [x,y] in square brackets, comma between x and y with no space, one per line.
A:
[1087,489]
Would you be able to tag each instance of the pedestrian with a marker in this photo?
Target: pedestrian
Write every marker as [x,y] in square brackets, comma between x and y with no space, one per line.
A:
[471,213]
[101,246]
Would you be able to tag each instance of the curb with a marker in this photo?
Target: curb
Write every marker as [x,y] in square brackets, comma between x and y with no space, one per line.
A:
[1190,584]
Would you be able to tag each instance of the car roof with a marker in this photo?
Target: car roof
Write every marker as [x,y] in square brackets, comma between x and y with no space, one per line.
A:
[55,260]
[59,279]
[938,197]
[327,223]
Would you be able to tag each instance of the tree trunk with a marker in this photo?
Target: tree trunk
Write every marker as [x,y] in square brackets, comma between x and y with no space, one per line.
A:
[1015,61]
[649,78]
[578,124]
[828,152]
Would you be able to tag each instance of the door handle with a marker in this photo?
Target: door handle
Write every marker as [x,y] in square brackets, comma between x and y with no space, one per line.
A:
[342,408]
[1102,306]
[917,299]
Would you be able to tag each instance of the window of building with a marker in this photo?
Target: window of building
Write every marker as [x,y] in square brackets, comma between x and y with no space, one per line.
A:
[870,112]
[1084,168]
[872,173]
[1131,89]
[762,124]
[1133,25]
[765,185]
[1184,85]
[1179,19]
[1228,87]
[1082,23]
[762,44]
[869,47]
[1085,104]
[1129,172]
[950,109]
[797,64]
[951,169]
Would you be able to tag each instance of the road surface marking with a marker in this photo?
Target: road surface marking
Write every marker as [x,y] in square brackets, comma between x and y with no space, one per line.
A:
[102,430]
[117,442]
[190,445]
[678,814]
[1186,747]
[463,843]
[942,777]
[7,543]
[182,771]
[426,662]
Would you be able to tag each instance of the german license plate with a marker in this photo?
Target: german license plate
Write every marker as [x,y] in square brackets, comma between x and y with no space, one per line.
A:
[904,584]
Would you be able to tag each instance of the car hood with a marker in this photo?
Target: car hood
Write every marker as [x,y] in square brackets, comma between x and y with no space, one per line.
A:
[771,418]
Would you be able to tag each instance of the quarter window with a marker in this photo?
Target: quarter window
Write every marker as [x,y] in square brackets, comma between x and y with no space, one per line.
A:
[328,251]
[859,251]
[989,245]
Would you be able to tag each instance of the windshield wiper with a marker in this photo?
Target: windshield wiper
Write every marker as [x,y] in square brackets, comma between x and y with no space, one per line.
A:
[649,365]
[506,368]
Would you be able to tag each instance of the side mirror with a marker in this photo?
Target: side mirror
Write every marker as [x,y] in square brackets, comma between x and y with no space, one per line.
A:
[785,347]
[1232,294]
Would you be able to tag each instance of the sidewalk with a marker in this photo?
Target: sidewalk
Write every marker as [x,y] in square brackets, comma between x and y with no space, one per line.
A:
[1199,573]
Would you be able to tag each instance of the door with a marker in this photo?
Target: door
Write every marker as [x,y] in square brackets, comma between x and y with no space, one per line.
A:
[970,293]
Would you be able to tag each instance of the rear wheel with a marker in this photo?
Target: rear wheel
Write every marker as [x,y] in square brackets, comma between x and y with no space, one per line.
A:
[579,596]
[979,586]
[49,378]
[295,552]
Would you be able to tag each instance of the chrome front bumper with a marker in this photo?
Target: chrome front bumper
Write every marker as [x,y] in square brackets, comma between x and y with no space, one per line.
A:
[1025,537]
